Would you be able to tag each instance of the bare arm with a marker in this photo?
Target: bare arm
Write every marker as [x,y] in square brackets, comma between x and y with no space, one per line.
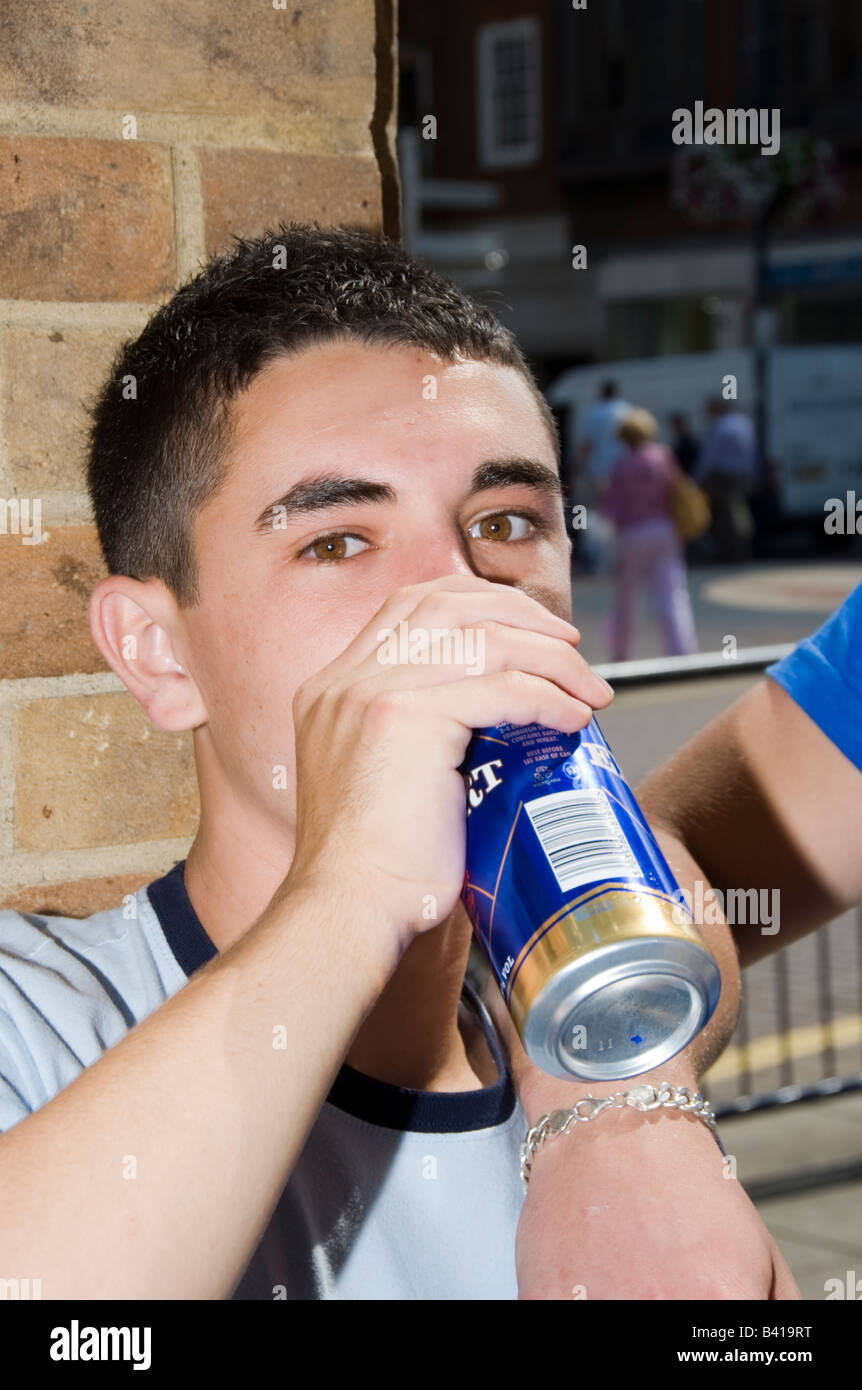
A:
[762,799]
[634,1207]
[214,1114]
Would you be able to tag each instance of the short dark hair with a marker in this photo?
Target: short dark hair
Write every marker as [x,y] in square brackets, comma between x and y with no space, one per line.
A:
[161,422]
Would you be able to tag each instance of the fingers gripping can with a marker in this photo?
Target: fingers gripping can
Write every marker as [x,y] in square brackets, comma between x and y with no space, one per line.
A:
[583,923]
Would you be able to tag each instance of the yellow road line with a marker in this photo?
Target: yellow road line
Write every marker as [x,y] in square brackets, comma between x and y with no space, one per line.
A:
[776,1048]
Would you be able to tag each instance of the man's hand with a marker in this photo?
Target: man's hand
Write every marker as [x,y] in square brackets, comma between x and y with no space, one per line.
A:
[640,1206]
[634,1205]
[388,739]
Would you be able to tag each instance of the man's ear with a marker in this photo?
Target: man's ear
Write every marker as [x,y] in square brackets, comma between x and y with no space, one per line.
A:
[135,624]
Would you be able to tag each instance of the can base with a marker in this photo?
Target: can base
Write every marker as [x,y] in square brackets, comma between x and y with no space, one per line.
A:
[650,997]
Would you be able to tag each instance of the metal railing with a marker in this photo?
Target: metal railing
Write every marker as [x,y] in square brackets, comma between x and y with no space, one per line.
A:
[695,667]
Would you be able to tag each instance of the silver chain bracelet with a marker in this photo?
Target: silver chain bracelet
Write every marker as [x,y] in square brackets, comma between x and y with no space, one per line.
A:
[642,1097]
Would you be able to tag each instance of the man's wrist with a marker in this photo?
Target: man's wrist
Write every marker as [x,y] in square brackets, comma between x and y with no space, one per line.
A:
[607,1146]
[539,1093]
[367,938]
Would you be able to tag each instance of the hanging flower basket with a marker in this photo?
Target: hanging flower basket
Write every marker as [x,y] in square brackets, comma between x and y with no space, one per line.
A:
[738,185]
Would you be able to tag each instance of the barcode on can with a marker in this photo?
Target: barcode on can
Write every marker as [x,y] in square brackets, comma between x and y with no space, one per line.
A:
[581,837]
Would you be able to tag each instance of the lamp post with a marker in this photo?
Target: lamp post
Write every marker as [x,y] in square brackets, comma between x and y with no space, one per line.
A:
[739,186]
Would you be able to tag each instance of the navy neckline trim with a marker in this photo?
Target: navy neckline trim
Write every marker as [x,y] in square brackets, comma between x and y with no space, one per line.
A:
[364,1097]
[179,922]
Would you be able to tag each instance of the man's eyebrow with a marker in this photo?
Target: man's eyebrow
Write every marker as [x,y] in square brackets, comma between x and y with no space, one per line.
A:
[319,494]
[514,471]
[322,493]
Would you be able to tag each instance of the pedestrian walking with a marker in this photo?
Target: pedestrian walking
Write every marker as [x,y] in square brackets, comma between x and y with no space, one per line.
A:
[598,449]
[725,471]
[637,499]
[683,443]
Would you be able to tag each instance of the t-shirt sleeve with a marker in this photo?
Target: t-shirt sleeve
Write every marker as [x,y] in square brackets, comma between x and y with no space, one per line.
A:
[824,676]
[26,1036]
[14,1102]
[58,1014]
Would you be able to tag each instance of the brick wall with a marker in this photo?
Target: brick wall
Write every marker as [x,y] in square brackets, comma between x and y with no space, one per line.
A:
[135,140]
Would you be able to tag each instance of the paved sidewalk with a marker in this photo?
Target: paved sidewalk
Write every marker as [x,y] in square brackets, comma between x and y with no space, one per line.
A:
[819,1230]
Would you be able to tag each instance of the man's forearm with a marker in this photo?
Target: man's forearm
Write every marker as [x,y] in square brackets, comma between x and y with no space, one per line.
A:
[711,1041]
[635,1205]
[213,1113]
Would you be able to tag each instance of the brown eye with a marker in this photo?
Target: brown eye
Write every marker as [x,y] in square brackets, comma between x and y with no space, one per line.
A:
[495,528]
[337,545]
[330,548]
[502,526]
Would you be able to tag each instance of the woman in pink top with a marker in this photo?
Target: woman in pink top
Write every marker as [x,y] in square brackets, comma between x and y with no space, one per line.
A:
[649,554]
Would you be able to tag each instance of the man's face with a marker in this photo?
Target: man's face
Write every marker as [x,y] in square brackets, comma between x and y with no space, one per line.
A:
[281,595]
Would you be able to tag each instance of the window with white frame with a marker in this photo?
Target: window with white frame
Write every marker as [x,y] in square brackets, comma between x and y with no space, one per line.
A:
[509,93]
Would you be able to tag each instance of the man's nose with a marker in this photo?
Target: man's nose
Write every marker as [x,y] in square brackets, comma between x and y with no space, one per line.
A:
[438,551]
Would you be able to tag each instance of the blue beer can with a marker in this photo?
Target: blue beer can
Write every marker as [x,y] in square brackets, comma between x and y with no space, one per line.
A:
[583,923]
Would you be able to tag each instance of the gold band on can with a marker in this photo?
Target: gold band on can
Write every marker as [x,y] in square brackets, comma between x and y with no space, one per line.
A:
[604,915]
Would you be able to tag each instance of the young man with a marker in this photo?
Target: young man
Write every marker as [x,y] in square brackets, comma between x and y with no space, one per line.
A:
[325,439]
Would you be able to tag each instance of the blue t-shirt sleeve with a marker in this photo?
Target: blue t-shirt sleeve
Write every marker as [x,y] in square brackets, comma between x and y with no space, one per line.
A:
[824,676]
